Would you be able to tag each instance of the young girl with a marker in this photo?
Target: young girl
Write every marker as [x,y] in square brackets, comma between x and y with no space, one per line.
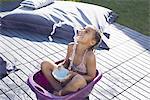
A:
[83,67]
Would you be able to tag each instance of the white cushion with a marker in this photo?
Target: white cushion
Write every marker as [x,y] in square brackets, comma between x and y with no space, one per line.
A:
[35,4]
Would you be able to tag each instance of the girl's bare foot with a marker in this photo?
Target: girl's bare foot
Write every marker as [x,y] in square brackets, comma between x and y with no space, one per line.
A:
[58,93]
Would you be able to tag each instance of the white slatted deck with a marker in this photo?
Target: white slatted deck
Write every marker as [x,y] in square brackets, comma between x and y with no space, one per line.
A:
[125,67]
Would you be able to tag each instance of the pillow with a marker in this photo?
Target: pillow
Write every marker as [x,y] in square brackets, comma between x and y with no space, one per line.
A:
[42,20]
[35,4]
[66,28]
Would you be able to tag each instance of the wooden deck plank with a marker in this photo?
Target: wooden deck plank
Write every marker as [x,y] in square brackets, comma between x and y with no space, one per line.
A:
[146,80]
[103,91]
[40,46]
[18,57]
[19,47]
[108,87]
[116,98]
[106,60]
[16,79]
[122,97]
[113,84]
[124,75]
[141,65]
[24,69]
[9,83]
[133,71]
[22,75]
[92,97]
[118,81]
[24,56]
[98,95]
[130,73]
[8,43]
[118,26]
[4,97]
[29,92]
[144,59]
[137,94]
[37,52]
[131,33]
[141,90]
[37,63]
[13,42]
[30,54]
[31,67]
[4,87]
[122,81]
[2,50]
[4,46]
[11,95]
[22,94]
[1,92]
[15,36]
[129,95]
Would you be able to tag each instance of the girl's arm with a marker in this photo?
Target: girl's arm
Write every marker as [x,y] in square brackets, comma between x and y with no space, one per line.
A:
[91,67]
[66,61]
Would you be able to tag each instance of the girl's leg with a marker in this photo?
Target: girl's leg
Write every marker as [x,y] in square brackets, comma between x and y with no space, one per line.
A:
[47,67]
[76,83]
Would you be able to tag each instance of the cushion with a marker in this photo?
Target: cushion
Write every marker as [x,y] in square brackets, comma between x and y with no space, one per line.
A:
[3,70]
[74,14]
[35,4]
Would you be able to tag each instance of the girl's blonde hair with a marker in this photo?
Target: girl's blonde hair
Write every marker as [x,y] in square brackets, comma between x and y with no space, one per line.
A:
[98,38]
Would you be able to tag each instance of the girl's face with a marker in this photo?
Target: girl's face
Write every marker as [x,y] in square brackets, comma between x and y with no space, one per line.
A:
[86,35]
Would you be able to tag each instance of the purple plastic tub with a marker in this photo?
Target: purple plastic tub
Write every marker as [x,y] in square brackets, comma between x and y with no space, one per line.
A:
[43,90]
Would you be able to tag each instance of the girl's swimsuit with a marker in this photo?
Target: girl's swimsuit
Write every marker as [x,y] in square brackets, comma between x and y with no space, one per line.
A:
[81,68]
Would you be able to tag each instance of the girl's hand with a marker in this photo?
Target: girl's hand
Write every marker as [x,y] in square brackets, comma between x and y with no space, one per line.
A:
[72,73]
[60,64]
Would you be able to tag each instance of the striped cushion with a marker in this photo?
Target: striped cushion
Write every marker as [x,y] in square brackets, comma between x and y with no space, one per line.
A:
[68,13]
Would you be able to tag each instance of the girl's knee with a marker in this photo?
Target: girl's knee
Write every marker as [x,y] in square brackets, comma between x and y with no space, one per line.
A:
[77,82]
[79,77]
[80,80]
[45,65]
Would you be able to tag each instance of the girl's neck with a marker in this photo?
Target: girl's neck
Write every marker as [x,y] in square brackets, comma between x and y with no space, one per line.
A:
[81,49]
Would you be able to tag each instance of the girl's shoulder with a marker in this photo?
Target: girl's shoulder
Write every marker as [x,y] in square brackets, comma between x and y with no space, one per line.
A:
[90,55]
[70,47]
